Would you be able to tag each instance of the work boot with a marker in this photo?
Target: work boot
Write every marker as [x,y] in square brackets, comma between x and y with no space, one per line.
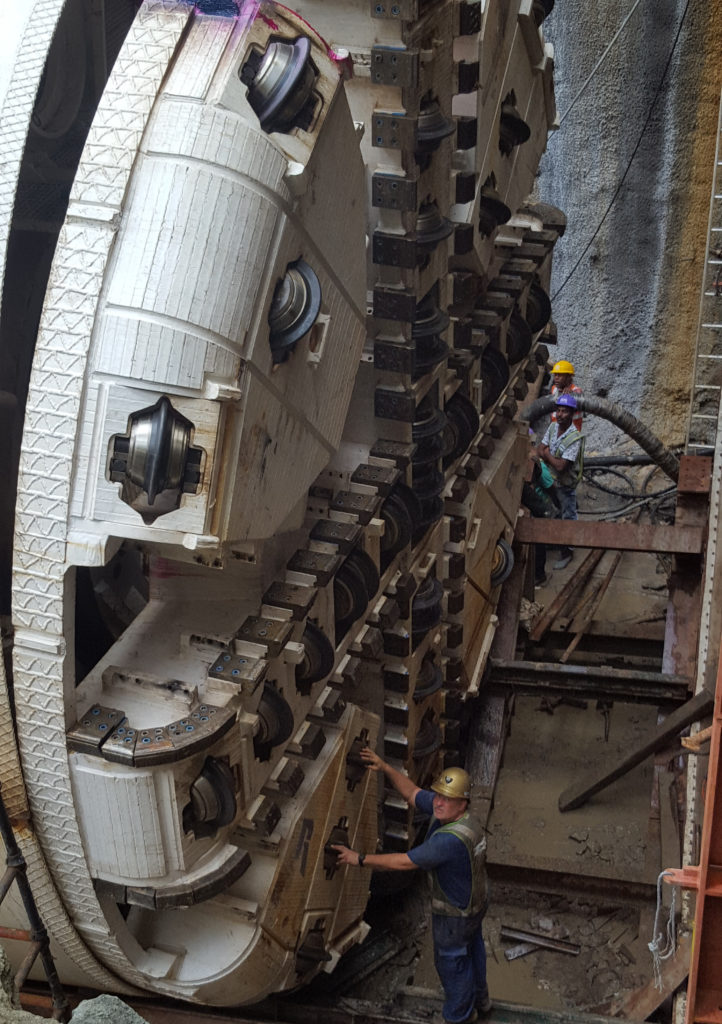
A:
[473,1016]
[484,1006]
[565,557]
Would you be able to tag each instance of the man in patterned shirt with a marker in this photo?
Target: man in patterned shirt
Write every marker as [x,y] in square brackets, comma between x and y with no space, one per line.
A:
[562,449]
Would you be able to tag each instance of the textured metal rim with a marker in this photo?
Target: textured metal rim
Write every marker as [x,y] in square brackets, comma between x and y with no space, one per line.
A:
[39,559]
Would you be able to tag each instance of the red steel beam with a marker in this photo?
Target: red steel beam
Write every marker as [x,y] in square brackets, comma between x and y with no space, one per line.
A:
[677,540]
[704,989]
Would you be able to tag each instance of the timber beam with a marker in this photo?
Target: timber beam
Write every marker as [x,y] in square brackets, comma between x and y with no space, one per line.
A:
[695,708]
[591,887]
[572,533]
[597,682]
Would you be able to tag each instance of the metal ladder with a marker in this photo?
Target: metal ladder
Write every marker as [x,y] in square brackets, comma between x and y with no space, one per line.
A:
[707,380]
[37,935]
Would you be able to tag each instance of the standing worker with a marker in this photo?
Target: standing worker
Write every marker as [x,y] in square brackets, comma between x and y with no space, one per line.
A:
[562,449]
[454,851]
[538,494]
[563,384]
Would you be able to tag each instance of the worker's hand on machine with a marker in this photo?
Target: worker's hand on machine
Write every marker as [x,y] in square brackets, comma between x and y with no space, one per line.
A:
[345,856]
[372,759]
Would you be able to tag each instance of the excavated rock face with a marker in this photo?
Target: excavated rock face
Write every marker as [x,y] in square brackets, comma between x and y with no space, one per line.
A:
[627,316]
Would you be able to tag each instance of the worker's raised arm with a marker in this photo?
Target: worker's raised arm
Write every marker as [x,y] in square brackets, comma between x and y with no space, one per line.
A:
[376,861]
[401,783]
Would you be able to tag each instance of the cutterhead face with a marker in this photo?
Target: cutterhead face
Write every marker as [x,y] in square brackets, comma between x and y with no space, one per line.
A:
[565,415]
[562,380]
[447,808]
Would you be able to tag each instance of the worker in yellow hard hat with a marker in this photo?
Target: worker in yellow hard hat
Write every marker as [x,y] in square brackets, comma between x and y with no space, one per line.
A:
[563,384]
[454,851]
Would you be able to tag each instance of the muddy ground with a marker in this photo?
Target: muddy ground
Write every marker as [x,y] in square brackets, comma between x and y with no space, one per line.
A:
[617,837]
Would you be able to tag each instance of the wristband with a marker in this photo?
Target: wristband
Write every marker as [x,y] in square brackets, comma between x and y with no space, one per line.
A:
[361,859]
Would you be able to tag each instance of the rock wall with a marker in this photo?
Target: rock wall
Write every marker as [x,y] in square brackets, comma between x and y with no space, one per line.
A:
[627,315]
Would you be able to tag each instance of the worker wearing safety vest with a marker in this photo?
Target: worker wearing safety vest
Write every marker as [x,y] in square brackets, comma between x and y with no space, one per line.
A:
[563,384]
[454,852]
[562,449]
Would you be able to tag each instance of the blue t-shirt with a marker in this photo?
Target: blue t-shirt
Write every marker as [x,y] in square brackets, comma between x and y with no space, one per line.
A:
[446,853]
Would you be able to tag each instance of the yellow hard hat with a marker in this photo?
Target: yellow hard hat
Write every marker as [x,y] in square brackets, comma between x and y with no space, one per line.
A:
[454,783]
[563,367]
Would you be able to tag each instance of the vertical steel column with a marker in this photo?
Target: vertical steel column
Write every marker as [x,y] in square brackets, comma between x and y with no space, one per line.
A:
[704,988]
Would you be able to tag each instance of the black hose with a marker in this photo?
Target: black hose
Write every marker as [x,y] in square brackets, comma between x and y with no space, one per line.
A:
[618,460]
[665,459]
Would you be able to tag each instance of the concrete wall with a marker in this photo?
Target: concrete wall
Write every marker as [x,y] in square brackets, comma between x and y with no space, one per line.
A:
[627,317]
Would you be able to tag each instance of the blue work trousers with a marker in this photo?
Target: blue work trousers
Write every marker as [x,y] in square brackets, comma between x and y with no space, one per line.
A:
[460,960]
[567,501]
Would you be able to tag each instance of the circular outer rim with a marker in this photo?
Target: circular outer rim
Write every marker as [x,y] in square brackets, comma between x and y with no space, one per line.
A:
[428,353]
[493,211]
[428,485]
[502,571]
[350,577]
[428,140]
[494,366]
[271,108]
[367,567]
[461,412]
[281,709]
[283,342]
[520,331]
[432,509]
[437,322]
[541,305]
[397,511]
[428,241]
[431,743]
[315,640]
[434,684]
[62,875]
[513,129]
[426,606]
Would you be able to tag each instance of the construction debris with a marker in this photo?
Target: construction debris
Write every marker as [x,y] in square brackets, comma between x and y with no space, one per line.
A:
[545,941]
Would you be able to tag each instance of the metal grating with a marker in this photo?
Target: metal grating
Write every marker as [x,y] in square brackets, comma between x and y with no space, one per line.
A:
[707,380]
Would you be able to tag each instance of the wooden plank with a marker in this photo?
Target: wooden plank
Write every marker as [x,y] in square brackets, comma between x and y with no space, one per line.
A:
[542,672]
[684,609]
[684,540]
[489,731]
[582,687]
[694,709]
[639,1004]
[555,608]
[590,612]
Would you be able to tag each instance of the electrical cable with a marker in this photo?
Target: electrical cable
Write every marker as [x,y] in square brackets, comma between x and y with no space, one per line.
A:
[590,479]
[618,189]
[628,508]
